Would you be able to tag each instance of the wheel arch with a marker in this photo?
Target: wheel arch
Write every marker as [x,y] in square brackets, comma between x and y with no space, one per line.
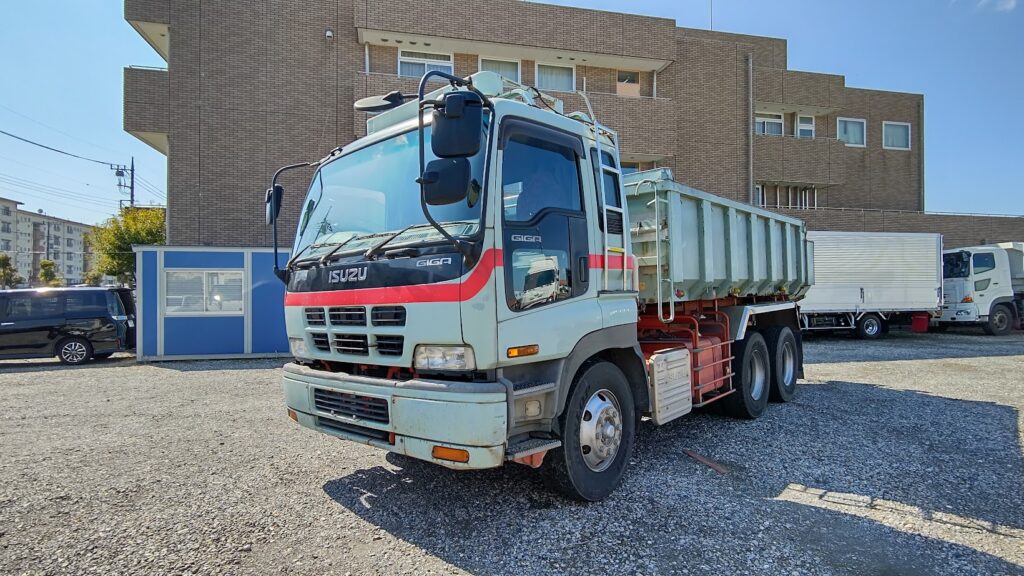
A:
[617,345]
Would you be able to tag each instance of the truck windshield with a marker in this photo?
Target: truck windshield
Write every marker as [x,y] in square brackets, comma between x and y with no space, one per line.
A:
[360,199]
[956,265]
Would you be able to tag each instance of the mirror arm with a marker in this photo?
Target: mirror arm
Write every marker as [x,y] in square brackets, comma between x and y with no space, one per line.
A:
[282,274]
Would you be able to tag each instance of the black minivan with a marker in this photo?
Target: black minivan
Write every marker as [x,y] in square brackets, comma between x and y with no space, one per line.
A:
[73,324]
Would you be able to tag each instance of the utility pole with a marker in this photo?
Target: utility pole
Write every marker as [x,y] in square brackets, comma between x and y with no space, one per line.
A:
[132,186]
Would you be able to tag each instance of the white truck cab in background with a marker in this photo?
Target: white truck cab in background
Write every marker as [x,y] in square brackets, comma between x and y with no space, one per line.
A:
[984,285]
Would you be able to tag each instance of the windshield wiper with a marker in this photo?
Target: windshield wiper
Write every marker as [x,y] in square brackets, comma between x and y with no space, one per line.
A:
[295,259]
[372,252]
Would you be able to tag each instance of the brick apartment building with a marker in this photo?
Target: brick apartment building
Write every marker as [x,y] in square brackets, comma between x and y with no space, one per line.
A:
[252,85]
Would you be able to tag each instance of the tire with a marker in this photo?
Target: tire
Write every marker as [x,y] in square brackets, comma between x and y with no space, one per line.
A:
[751,378]
[102,355]
[1000,321]
[869,327]
[785,361]
[596,447]
[74,351]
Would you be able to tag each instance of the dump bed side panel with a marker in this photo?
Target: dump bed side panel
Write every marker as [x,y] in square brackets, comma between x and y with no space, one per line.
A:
[709,247]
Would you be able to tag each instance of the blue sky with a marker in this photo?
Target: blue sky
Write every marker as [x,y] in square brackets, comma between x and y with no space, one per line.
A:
[61,68]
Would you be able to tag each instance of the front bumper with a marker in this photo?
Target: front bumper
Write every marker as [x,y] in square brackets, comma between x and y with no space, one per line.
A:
[421,414]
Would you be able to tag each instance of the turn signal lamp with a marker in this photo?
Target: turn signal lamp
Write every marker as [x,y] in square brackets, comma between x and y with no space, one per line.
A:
[293,415]
[450,454]
[967,299]
[520,351]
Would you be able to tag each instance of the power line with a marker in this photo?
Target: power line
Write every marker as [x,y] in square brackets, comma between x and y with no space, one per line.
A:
[57,150]
[47,188]
[57,130]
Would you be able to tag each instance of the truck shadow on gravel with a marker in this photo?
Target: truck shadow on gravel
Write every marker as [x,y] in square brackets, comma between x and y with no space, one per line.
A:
[851,478]
[904,345]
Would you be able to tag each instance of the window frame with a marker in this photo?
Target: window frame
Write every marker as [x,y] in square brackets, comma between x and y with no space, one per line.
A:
[763,117]
[519,65]
[206,292]
[910,141]
[798,127]
[619,84]
[414,60]
[536,75]
[863,123]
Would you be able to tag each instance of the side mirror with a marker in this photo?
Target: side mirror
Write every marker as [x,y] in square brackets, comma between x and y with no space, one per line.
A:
[455,131]
[446,181]
[273,201]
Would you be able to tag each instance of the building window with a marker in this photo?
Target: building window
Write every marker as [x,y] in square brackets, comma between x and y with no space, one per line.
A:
[769,124]
[896,135]
[853,131]
[417,64]
[70,243]
[629,167]
[203,292]
[561,78]
[5,245]
[505,68]
[5,210]
[628,83]
[805,126]
[5,227]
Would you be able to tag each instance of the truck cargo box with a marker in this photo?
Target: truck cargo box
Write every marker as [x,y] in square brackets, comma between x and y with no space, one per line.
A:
[875,272]
[699,246]
[1015,253]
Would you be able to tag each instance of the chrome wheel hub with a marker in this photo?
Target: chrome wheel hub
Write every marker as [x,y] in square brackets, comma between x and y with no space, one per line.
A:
[600,430]
[758,374]
[73,352]
[788,364]
[871,326]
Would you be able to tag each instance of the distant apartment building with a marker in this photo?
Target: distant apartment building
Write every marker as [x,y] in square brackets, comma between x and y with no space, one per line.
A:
[29,237]
[253,86]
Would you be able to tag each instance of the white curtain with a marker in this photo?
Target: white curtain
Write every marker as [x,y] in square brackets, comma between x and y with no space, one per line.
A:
[896,136]
[554,78]
[851,132]
[507,69]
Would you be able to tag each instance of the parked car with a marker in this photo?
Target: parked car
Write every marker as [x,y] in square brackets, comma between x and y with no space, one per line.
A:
[73,324]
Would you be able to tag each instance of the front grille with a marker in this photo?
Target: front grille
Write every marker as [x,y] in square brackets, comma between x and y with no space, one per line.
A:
[382,435]
[315,317]
[351,405]
[388,316]
[321,342]
[390,345]
[356,344]
[348,316]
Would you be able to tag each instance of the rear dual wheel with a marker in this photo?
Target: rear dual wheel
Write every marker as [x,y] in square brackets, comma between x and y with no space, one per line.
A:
[764,367]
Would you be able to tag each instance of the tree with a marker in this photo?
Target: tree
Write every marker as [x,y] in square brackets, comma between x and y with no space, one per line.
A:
[94,277]
[9,277]
[112,241]
[48,273]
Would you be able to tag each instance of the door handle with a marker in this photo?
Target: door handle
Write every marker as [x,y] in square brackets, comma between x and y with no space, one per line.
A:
[6,323]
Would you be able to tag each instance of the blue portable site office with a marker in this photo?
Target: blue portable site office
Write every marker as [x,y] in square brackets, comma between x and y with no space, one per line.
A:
[207,303]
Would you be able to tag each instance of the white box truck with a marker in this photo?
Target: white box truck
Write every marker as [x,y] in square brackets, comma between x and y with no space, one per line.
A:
[984,285]
[865,280]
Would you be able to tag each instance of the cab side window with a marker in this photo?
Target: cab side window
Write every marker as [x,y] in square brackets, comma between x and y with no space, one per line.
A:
[538,175]
[983,262]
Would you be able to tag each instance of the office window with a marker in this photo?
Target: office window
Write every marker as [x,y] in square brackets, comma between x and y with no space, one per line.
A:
[896,135]
[506,68]
[805,126]
[853,131]
[562,78]
[5,210]
[628,83]
[203,292]
[769,124]
[417,64]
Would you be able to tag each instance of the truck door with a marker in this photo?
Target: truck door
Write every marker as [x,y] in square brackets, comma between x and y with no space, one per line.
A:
[987,282]
[544,240]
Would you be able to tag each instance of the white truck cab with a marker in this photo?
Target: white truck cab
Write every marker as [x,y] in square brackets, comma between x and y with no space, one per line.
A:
[984,285]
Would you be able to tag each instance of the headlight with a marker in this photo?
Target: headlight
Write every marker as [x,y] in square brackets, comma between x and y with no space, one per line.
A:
[444,358]
[298,348]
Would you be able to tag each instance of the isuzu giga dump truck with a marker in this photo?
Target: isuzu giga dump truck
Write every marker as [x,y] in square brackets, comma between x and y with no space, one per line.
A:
[476,282]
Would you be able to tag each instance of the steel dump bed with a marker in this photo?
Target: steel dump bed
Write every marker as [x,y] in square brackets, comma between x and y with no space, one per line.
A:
[698,246]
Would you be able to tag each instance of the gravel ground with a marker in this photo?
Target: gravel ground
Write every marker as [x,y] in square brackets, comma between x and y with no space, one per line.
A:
[900,456]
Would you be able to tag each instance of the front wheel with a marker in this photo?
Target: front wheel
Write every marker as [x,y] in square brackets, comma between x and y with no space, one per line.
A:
[74,351]
[598,432]
[999,321]
[869,326]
